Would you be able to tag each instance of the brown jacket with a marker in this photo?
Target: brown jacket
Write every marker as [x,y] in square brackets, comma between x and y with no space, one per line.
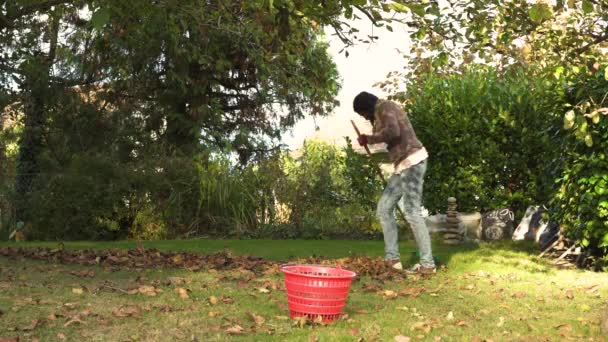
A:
[393,127]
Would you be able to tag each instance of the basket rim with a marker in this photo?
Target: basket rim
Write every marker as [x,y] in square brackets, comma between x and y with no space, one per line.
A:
[348,275]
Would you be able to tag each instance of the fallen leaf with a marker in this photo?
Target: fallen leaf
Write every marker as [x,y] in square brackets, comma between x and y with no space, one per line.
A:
[450,316]
[259,320]
[213,300]
[183,293]
[519,295]
[389,294]
[176,281]
[263,290]
[226,300]
[501,322]
[592,289]
[300,321]
[421,326]
[462,323]
[281,318]
[412,291]
[212,314]
[77,290]
[127,311]
[61,336]
[354,332]
[401,338]
[84,273]
[32,326]
[569,294]
[74,320]
[147,290]
[235,330]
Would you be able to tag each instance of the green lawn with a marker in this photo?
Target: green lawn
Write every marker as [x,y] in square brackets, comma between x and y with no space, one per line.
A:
[498,291]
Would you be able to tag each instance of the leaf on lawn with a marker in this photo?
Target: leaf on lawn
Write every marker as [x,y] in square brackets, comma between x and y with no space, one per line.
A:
[127,311]
[35,323]
[462,323]
[74,320]
[300,321]
[403,308]
[282,318]
[421,326]
[213,300]
[212,314]
[77,290]
[226,299]
[84,273]
[389,294]
[176,281]
[401,338]
[61,336]
[450,316]
[412,291]
[147,290]
[263,290]
[371,287]
[584,307]
[519,295]
[183,293]
[501,322]
[592,289]
[569,294]
[259,320]
[235,330]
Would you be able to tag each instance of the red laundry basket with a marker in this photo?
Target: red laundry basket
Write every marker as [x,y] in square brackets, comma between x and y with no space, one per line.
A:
[314,290]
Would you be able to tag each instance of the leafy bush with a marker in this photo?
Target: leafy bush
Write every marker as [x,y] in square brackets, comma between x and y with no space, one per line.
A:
[490,136]
[581,201]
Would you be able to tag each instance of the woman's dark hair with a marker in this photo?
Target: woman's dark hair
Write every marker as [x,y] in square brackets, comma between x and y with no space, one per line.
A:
[365,104]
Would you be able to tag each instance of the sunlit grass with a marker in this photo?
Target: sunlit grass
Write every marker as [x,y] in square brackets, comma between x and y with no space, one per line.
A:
[498,291]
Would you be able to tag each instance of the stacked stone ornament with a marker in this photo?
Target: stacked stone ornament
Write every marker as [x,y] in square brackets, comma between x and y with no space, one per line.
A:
[452,235]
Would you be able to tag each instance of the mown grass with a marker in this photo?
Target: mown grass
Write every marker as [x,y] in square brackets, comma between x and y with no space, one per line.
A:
[497,291]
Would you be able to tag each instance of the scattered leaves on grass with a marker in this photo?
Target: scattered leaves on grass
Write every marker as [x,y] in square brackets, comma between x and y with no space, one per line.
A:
[450,316]
[77,290]
[183,293]
[462,324]
[282,318]
[569,294]
[212,314]
[127,311]
[61,336]
[401,338]
[213,300]
[519,295]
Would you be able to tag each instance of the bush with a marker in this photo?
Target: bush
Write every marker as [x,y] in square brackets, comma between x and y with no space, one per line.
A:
[490,136]
[581,202]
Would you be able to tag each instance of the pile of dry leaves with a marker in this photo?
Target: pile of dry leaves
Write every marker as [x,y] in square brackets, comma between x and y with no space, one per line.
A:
[143,258]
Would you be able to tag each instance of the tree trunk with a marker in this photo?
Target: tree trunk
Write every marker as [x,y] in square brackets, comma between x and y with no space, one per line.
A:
[36,89]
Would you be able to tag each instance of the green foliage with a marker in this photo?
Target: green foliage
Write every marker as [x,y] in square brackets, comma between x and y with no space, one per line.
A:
[330,192]
[581,201]
[490,136]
